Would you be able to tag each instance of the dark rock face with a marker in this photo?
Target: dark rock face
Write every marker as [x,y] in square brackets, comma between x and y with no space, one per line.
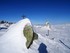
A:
[35,36]
[30,35]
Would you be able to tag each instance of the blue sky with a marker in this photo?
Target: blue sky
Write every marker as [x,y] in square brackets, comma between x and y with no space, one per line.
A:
[38,11]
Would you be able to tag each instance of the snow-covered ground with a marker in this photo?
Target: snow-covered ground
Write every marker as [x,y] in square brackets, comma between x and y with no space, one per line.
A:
[13,41]
[58,40]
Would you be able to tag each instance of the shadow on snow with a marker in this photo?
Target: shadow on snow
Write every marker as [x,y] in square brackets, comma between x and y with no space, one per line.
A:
[42,48]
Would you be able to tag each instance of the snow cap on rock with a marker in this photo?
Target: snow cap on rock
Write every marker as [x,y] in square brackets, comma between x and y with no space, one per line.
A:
[14,41]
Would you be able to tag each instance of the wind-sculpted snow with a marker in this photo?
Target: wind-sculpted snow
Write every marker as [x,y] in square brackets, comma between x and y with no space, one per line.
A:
[14,41]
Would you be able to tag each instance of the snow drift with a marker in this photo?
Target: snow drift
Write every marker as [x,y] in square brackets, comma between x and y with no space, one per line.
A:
[13,41]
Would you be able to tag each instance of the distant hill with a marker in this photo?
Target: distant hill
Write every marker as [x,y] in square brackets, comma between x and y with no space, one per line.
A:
[5,24]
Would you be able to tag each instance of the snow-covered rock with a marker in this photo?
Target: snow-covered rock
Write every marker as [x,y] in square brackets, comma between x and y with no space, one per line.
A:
[13,41]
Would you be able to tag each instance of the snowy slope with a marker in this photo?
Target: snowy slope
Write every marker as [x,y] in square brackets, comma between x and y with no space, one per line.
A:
[13,41]
[58,41]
